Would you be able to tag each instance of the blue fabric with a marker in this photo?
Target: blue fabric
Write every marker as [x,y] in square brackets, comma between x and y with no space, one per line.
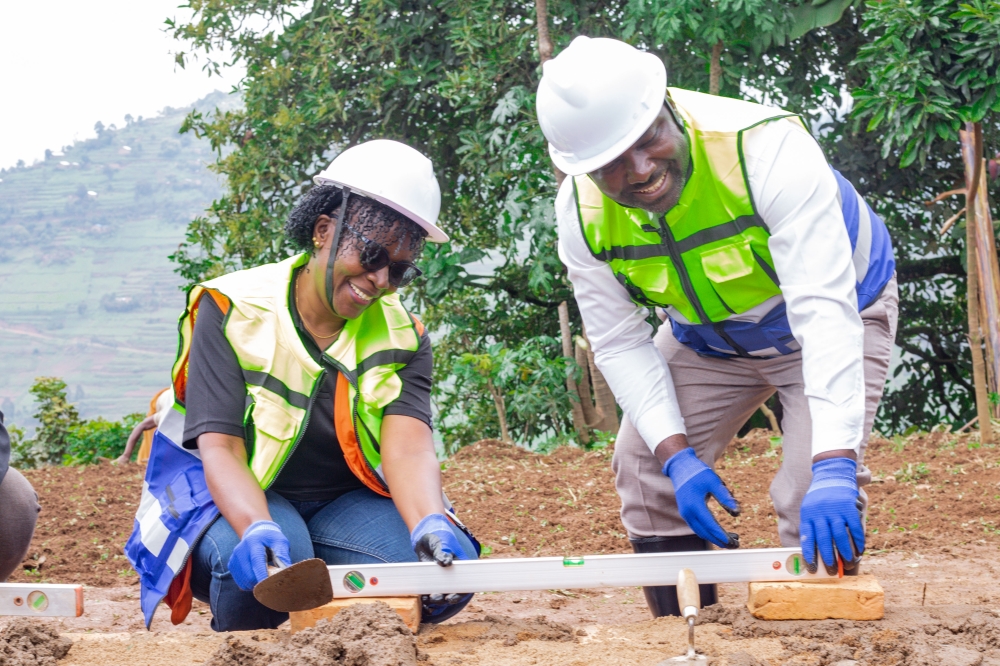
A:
[249,560]
[360,527]
[830,515]
[774,331]
[693,482]
[175,482]
[881,263]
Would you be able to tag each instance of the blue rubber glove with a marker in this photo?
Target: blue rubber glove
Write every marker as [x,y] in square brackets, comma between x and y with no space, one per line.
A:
[831,516]
[434,541]
[248,563]
[693,482]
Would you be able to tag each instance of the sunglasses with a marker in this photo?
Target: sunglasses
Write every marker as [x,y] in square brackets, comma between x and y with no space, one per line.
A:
[374,257]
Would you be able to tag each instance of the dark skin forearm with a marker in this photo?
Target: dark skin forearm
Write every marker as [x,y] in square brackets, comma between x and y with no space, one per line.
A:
[411,468]
[677,443]
[233,486]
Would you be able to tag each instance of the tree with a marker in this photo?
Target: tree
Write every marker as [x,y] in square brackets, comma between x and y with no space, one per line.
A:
[933,69]
[456,80]
[56,417]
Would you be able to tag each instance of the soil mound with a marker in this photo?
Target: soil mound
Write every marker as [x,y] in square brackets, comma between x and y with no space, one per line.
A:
[24,643]
[510,631]
[953,635]
[361,635]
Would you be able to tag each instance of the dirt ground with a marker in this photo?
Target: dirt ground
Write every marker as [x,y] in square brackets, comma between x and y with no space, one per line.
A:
[932,544]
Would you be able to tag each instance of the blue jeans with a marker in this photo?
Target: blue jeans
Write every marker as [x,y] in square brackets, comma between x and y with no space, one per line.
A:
[360,527]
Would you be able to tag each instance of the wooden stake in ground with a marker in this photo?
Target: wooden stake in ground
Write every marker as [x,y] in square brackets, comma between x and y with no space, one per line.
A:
[971,149]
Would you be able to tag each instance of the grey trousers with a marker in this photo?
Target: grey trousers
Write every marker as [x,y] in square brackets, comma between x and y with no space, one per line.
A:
[18,515]
[716,397]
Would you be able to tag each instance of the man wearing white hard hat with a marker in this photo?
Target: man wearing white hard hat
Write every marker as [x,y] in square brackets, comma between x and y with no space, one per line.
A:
[773,275]
[304,389]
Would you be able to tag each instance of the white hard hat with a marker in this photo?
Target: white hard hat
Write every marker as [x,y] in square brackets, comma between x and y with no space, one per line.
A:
[394,174]
[596,99]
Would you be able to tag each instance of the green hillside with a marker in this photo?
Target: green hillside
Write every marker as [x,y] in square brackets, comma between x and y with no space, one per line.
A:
[87,291]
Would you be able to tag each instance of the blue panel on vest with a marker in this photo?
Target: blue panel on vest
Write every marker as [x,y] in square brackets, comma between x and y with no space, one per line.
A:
[774,331]
[176,479]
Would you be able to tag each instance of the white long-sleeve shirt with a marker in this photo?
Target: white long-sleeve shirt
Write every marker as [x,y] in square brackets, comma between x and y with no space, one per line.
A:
[798,198]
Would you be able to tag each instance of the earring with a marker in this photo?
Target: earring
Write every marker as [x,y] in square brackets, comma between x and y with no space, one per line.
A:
[317,244]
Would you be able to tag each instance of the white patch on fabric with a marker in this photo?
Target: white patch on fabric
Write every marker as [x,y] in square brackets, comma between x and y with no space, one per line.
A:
[178,554]
[863,248]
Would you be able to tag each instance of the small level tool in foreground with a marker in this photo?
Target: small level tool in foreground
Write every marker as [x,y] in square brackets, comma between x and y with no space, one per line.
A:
[41,600]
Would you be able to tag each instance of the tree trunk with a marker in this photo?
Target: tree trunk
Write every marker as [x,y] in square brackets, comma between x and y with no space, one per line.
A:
[590,414]
[973,170]
[986,256]
[771,418]
[545,54]
[604,399]
[542,23]
[579,422]
[501,406]
[715,69]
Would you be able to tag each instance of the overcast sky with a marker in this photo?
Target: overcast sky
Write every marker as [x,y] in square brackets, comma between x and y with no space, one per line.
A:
[65,64]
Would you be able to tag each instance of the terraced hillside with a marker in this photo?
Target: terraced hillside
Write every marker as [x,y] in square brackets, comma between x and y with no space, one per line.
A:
[87,291]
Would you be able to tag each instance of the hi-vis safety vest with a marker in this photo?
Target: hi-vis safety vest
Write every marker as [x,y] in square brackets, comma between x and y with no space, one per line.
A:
[282,381]
[707,261]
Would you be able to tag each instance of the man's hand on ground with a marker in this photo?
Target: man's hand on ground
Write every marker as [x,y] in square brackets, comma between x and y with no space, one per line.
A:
[831,516]
[694,482]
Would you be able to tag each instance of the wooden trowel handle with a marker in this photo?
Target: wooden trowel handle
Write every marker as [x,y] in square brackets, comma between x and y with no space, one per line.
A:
[688,594]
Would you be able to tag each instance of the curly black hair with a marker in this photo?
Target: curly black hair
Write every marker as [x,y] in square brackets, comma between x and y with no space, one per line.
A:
[365,215]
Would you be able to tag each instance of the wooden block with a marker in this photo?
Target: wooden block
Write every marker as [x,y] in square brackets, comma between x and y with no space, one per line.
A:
[407,607]
[847,598]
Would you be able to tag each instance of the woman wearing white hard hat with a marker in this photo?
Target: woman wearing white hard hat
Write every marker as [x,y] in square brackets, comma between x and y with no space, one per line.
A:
[306,391]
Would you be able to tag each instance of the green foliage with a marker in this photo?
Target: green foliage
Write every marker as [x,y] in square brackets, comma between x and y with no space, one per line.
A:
[911,472]
[61,437]
[527,384]
[56,419]
[930,69]
[99,438]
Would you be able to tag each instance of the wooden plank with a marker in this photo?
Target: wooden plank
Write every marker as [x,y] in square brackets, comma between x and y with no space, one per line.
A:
[407,607]
[848,598]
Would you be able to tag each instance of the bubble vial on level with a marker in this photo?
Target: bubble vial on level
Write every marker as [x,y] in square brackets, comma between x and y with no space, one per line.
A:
[354,581]
[573,562]
[794,565]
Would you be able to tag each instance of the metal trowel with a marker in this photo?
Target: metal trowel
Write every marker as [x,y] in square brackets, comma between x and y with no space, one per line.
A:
[302,586]
[689,599]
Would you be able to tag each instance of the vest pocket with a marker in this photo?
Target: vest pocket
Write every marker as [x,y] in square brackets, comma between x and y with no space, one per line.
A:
[660,284]
[273,419]
[180,503]
[737,275]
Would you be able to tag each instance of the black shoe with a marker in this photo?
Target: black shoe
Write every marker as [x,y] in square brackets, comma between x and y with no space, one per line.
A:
[662,599]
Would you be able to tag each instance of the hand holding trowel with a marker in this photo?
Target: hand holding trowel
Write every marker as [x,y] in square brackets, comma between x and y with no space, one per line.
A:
[261,562]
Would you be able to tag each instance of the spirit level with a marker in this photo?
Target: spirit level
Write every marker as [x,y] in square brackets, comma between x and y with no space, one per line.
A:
[545,573]
[41,600]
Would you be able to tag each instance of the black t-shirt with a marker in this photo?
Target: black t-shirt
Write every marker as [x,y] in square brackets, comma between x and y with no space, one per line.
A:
[217,398]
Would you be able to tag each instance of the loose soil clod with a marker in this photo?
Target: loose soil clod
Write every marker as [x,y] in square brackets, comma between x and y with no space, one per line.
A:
[27,643]
[361,635]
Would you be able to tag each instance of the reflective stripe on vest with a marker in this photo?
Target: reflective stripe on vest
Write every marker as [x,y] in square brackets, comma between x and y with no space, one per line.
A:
[707,261]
